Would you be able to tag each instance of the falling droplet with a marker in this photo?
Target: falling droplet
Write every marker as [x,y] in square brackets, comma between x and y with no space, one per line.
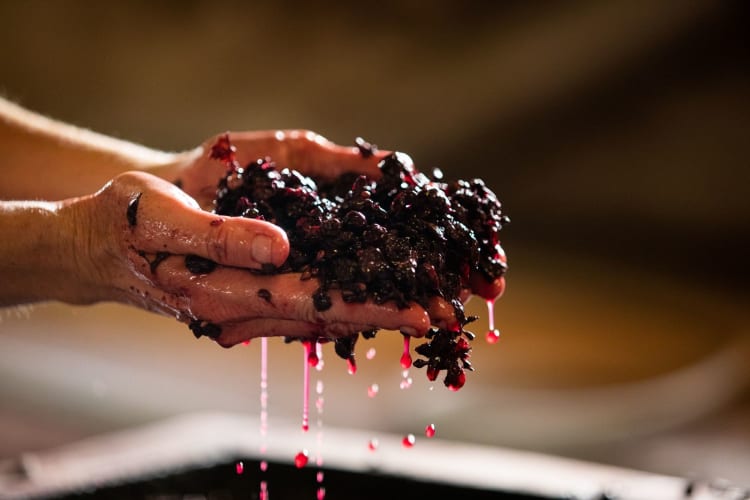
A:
[312,358]
[246,342]
[351,365]
[239,467]
[263,466]
[372,391]
[321,493]
[460,381]
[429,431]
[408,441]
[263,490]
[370,353]
[405,383]
[301,458]
[373,444]
[319,354]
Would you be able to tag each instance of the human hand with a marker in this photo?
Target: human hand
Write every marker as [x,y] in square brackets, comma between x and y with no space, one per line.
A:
[139,230]
[197,171]
[315,156]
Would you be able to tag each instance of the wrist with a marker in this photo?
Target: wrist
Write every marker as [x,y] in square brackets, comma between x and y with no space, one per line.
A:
[42,257]
[172,166]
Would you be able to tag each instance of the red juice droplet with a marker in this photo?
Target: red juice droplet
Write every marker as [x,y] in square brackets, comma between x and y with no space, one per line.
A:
[458,383]
[239,467]
[406,356]
[312,359]
[406,380]
[301,458]
[263,490]
[319,476]
[319,356]
[321,493]
[492,334]
[372,391]
[408,441]
[351,365]
[429,431]
[373,444]
[370,353]
[263,466]
[246,342]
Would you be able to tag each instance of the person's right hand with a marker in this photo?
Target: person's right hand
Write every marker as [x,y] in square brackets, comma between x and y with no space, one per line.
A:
[132,239]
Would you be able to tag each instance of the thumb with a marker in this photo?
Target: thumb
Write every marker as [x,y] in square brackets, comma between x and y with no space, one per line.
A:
[163,218]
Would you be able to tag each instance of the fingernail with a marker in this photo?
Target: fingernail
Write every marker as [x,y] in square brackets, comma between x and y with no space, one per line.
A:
[261,248]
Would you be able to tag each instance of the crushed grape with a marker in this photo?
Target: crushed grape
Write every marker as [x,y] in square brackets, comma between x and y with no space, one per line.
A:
[199,265]
[200,327]
[404,237]
[132,210]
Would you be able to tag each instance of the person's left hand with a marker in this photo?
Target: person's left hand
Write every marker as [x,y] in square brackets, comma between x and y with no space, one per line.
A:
[311,154]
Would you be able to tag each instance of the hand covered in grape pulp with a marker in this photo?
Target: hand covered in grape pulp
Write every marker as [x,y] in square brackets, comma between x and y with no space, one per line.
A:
[148,240]
[302,150]
[315,156]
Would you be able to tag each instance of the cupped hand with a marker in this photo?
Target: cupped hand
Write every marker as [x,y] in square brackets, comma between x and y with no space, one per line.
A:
[198,172]
[313,155]
[140,229]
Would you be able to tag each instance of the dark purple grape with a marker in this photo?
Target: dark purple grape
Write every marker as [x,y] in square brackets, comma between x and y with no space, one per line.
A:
[199,265]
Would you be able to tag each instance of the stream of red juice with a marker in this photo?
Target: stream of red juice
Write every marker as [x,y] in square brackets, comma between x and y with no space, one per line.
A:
[263,413]
[306,386]
[493,335]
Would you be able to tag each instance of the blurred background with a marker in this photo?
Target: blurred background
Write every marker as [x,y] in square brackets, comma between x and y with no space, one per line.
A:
[615,133]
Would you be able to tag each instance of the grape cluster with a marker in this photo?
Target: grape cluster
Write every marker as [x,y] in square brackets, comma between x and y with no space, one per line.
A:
[404,237]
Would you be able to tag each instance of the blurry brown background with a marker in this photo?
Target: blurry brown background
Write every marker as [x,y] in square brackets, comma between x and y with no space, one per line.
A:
[615,133]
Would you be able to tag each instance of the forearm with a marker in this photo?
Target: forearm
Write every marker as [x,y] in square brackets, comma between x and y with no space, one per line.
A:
[38,260]
[45,159]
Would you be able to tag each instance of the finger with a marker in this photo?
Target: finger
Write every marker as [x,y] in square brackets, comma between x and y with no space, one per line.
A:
[163,218]
[234,295]
[488,290]
[237,333]
[305,151]
[234,334]
[442,313]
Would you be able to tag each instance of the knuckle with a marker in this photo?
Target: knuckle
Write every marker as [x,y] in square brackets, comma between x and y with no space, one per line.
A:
[217,244]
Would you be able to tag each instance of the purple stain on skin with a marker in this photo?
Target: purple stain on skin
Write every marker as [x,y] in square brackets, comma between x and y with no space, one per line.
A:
[160,256]
[265,295]
[133,209]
